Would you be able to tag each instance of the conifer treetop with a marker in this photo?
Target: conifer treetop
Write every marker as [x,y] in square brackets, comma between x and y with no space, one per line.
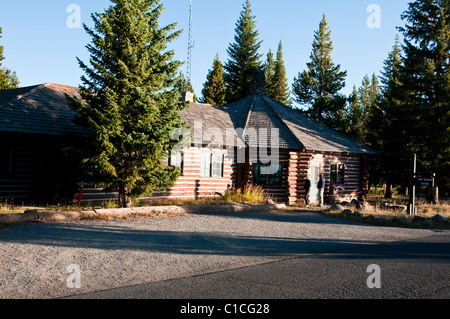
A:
[244,56]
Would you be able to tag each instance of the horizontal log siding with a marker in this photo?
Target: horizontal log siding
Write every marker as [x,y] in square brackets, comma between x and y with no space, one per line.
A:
[298,171]
[188,186]
[295,165]
[20,183]
[352,186]
[279,193]
[192,186]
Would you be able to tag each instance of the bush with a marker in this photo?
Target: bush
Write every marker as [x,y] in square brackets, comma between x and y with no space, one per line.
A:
[248,195]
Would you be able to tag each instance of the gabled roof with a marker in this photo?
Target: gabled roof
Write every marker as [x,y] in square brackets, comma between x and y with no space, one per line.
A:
[259,112]
[257,117]
[39,109]
[296,131]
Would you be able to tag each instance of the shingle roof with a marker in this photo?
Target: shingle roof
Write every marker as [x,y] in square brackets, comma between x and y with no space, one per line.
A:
[43,109]
[259,112]
[296,131]
[206,121]
[39,109]
[256,116]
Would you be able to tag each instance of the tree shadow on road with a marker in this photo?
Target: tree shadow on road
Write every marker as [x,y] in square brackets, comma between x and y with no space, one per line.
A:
[106,236]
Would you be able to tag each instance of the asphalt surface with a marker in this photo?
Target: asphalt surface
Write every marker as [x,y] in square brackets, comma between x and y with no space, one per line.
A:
[220,256]
[412,269]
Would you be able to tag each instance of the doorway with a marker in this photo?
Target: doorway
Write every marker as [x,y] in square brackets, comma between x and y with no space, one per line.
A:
[314,176]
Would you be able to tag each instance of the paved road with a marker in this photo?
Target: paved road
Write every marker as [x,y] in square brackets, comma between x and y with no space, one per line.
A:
[292,254]
[412,269]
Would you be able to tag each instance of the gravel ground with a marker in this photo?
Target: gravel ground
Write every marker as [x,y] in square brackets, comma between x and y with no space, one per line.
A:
[34,257]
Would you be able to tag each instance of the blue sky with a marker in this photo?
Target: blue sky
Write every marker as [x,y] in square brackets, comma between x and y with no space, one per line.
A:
[41,48]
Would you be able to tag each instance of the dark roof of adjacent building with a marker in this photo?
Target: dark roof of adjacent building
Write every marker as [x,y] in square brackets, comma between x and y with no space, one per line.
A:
[39,109]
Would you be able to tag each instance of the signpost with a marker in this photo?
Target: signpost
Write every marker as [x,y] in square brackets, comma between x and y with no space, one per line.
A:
[425,181]
[412,186]
[415,180]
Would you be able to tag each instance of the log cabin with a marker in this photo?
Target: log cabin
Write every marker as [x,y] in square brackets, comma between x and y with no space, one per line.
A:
[35,125]
[256,141]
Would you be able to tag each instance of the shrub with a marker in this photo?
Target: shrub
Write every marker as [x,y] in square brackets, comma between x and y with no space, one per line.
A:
[248,195]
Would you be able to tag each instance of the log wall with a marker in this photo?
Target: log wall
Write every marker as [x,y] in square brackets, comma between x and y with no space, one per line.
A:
[189,186]
[295,164]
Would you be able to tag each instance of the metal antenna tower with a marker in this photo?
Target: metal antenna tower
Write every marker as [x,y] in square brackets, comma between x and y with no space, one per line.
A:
[190,46]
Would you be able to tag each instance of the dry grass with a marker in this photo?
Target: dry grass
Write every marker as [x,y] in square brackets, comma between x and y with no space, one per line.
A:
[8,208]
[249,195]
[376,208]
[424,209]
[134,216]
[178,202]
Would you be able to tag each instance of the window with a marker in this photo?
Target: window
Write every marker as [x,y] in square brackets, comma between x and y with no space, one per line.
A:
[263,177]
[6,159]
[217,165]
[337,174]
[177,160]
[206,165]
[212,165]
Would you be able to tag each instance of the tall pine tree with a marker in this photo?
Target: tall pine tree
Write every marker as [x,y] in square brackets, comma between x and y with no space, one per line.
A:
[269,70]
[8,78]
[280,85]
[354,114]
[425,76]
[362,111]
[214,87]
[373,115]
[369,95]
[243,56]
[317,88]
[129,100]
[395,137]
[183,84]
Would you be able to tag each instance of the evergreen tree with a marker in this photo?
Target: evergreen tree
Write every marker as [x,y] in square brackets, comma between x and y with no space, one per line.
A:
[354,128]
[366,100]
[244,57]
[214,87]
[317,88]
[373,130]
[8,78]
[129,101]
[425,77]
[395,125]
[280,85]
[373,115]
[363,107]
[184,85]
[269,70]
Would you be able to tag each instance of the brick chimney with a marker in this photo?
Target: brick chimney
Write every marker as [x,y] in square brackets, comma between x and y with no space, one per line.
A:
[258,86]
[187,97]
